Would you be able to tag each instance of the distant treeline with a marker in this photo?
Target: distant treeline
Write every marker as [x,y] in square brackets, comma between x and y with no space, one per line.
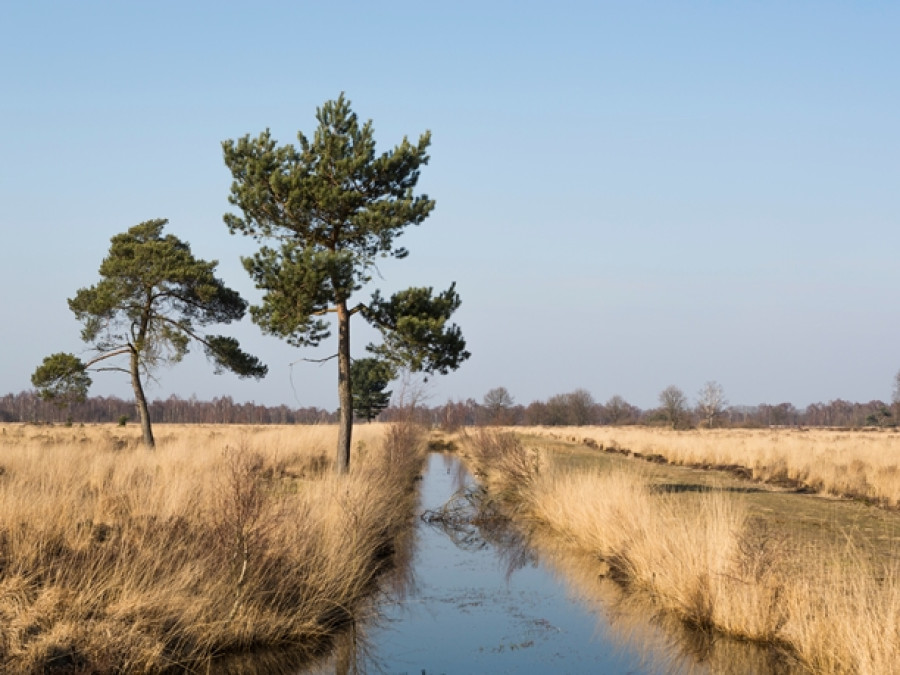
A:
[579,409]
[573,409]
[28,407]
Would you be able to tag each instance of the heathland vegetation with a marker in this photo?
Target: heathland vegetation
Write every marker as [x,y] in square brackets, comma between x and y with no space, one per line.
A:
[113,560]
[225,542]
[230,542]
[720,555]
[858,464]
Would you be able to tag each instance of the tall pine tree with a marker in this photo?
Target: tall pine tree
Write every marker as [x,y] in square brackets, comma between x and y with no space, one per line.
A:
[324,213]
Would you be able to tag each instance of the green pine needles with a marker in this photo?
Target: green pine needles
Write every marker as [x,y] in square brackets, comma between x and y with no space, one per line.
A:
[153,300]
[324,213]
[370,378]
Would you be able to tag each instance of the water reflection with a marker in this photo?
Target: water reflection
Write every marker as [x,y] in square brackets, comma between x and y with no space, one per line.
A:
[480,596]
[632,620]
[471,519]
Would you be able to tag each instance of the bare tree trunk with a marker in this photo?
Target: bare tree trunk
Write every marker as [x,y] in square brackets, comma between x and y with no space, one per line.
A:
[345,395]
[141,401]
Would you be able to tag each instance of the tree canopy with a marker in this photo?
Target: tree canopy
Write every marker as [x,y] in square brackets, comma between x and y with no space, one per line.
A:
[324,213]
[153,299]
[62,378]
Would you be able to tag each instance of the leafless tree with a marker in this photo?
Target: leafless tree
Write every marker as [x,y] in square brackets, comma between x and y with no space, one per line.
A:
[711,403]
[618,411]
[577,408]
[673,404]
[581,407]
[498,403]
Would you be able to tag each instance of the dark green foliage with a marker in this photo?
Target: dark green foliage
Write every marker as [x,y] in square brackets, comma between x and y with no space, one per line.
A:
[151,302]
[62,378]
[333,206]
[325,212]
[153,296]
[879,418]
[414,328]
[370,377]
[226,354]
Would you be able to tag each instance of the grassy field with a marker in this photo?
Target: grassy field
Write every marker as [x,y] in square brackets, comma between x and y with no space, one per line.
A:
[223,541]
[859,464]
[816,578]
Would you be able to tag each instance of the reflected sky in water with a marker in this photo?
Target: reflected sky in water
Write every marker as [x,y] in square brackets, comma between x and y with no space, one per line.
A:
[466,613]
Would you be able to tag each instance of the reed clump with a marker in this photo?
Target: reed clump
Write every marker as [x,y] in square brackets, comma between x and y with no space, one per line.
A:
[701,557]
[223,541]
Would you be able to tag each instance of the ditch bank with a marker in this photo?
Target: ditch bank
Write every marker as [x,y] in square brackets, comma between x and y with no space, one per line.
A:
[702,561]
[484,595]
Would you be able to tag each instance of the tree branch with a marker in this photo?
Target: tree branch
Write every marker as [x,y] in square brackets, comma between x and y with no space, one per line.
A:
[196,336]
[325,360]
[361,307]
[112,370]
[109,355]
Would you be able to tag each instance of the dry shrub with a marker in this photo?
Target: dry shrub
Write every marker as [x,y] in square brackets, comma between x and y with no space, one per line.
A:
[400,451]
[220,542]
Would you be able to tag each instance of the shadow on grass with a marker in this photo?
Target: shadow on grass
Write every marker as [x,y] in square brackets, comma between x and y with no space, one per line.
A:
[676,488]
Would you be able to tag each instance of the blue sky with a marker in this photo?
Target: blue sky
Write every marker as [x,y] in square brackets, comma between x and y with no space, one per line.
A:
[629,195]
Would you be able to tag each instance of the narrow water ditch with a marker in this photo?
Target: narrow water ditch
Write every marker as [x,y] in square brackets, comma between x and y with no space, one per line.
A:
[478,599]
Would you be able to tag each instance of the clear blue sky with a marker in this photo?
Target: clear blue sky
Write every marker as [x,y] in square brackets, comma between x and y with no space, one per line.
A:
[629,195]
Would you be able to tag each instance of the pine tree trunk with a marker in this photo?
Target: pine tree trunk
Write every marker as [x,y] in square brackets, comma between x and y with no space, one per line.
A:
[141,401]
[345,395]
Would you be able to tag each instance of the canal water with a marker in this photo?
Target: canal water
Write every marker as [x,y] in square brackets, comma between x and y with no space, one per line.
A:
[476,599]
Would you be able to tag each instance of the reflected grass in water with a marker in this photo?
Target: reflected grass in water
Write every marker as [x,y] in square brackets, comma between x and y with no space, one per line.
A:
[631,620]
[482,601]
[473,521]
[700,556]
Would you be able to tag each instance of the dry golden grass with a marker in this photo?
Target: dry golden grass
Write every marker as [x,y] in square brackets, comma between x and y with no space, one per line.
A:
[225,540]
[701,558]
[860,464]
[844,618]
[631,619]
